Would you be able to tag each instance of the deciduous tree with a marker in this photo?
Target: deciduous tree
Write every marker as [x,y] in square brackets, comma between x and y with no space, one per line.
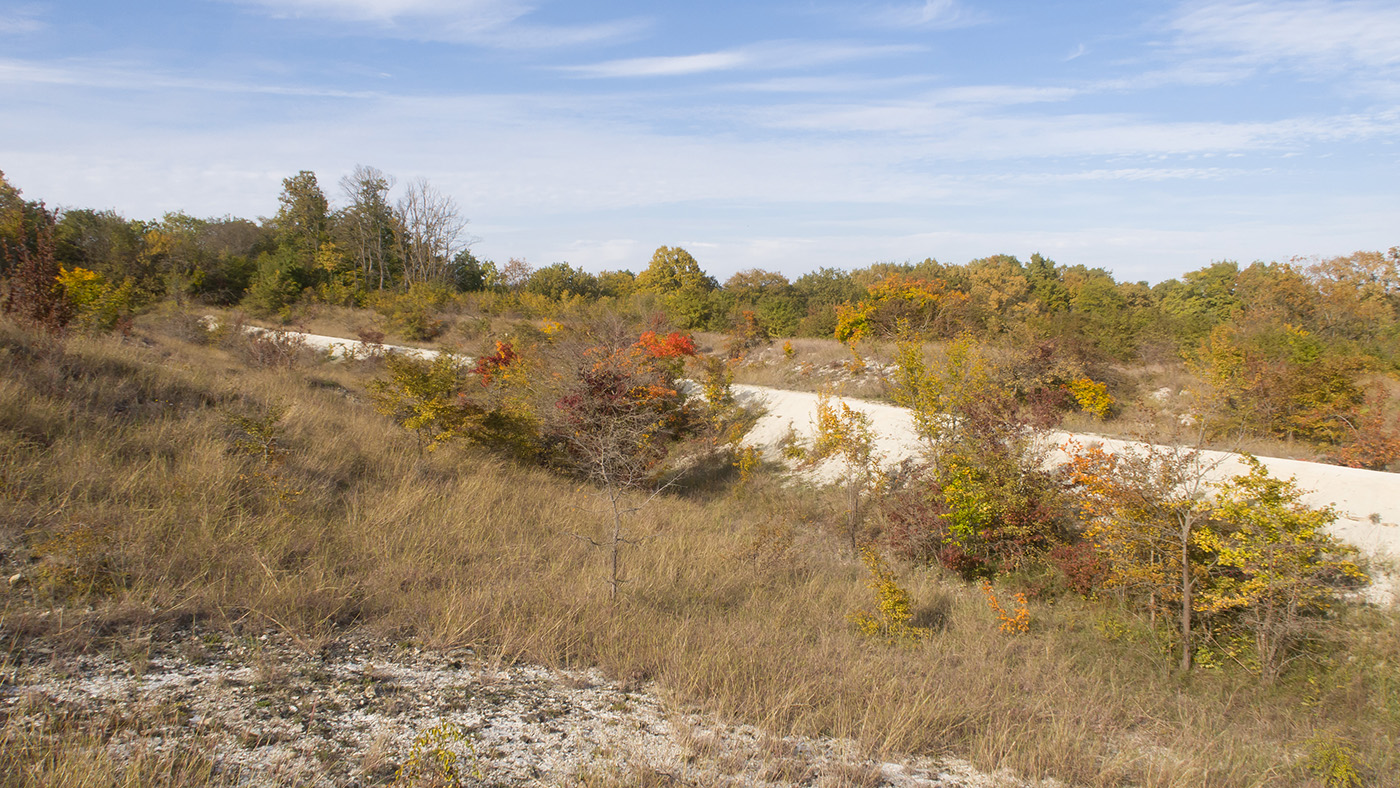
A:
[1286,571]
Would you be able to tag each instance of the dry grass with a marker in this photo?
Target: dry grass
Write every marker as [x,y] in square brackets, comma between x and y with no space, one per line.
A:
[736,604]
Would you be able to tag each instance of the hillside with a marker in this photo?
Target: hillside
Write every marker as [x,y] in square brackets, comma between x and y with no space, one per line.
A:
[170,489]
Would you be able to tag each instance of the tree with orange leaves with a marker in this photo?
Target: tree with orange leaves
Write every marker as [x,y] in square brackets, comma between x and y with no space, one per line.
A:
[1147,514]
[621,414]
[923,307]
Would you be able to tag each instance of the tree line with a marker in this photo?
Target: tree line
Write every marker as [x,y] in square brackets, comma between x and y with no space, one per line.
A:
[1298,349]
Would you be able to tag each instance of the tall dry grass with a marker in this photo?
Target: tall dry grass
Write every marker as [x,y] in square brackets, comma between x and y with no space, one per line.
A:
[122,488]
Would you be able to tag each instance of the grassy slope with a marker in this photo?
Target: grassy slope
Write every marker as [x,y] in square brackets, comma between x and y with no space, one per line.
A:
[120,489]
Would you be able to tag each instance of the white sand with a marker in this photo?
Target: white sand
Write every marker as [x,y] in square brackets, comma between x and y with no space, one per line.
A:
[1367,502]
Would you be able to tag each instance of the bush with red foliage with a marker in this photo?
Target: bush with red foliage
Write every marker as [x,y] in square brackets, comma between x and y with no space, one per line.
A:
[672,346]
[34,295]
[487,367]
[1083,569]
[623,411]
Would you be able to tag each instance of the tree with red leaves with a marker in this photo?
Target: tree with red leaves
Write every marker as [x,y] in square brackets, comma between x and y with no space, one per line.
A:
[34,295]
[621,415]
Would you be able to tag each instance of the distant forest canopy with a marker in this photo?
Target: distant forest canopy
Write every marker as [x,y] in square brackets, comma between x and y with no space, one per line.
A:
[1303,348]
[312,252]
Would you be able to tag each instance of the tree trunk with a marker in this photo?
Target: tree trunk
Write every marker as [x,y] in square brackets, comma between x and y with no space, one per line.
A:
[1186,596]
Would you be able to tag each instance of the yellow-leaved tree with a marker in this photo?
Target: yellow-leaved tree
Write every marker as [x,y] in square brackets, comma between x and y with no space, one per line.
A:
[1147,510]
[1284,573]
[845,434]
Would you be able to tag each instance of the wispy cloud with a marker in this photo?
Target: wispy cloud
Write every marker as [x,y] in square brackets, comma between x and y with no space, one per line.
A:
[1078,52]
[121,76]
[18,20]
[390,10]
[772,55]
[497,23]
[832,84]
[1310,34]
[971,132]
[1002,95]
[934,14]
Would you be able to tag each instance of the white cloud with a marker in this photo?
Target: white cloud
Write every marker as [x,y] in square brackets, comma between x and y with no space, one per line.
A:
[496,23]
[767,55]
[389,11]
[936,14]
[831,84]
[1327,34]
[1002,95]
[674,65]
[115,75]
[955,131]
[19,20]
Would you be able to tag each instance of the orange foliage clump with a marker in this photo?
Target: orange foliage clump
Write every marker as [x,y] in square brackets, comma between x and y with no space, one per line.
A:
[1017,623]
[673,345]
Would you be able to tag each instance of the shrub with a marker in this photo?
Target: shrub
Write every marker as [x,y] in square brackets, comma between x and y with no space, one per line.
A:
[893,614]
[1092,396]
[98,306]
[1017,623]
[1333,761]
[34,295]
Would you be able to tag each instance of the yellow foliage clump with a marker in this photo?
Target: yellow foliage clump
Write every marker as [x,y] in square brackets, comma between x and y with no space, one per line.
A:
[892,621]
[434,758]
[1092,396]
[98,304]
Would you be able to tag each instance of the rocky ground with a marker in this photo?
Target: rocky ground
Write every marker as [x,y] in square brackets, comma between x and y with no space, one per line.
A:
[362,711]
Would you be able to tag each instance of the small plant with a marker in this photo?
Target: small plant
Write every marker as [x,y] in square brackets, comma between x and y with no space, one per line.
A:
[273,348]
[1333,760]
[1017,623]
[857,364]
[77,561]
[748,333]
[259,435]
[845,433]
[788,351]
[892,620]
[435,758]
[747,459]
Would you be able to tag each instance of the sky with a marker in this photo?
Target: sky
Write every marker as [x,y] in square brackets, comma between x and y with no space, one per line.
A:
[1148,138]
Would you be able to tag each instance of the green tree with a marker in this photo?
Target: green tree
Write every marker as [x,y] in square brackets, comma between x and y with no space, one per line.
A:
[368,228]
[562,280]
[672,269]
[303,217]
[104,242]
[1201,300]
[471,275]
[617,284]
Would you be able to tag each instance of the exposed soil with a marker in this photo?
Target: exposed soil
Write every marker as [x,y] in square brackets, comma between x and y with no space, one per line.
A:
[360,710]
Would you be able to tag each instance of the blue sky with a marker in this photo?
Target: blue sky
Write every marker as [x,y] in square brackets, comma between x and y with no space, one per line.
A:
[1146,138]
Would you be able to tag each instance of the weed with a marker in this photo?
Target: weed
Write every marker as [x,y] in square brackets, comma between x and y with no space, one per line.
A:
[891,621]
[1017,623]
[1333,760]
[436,758]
